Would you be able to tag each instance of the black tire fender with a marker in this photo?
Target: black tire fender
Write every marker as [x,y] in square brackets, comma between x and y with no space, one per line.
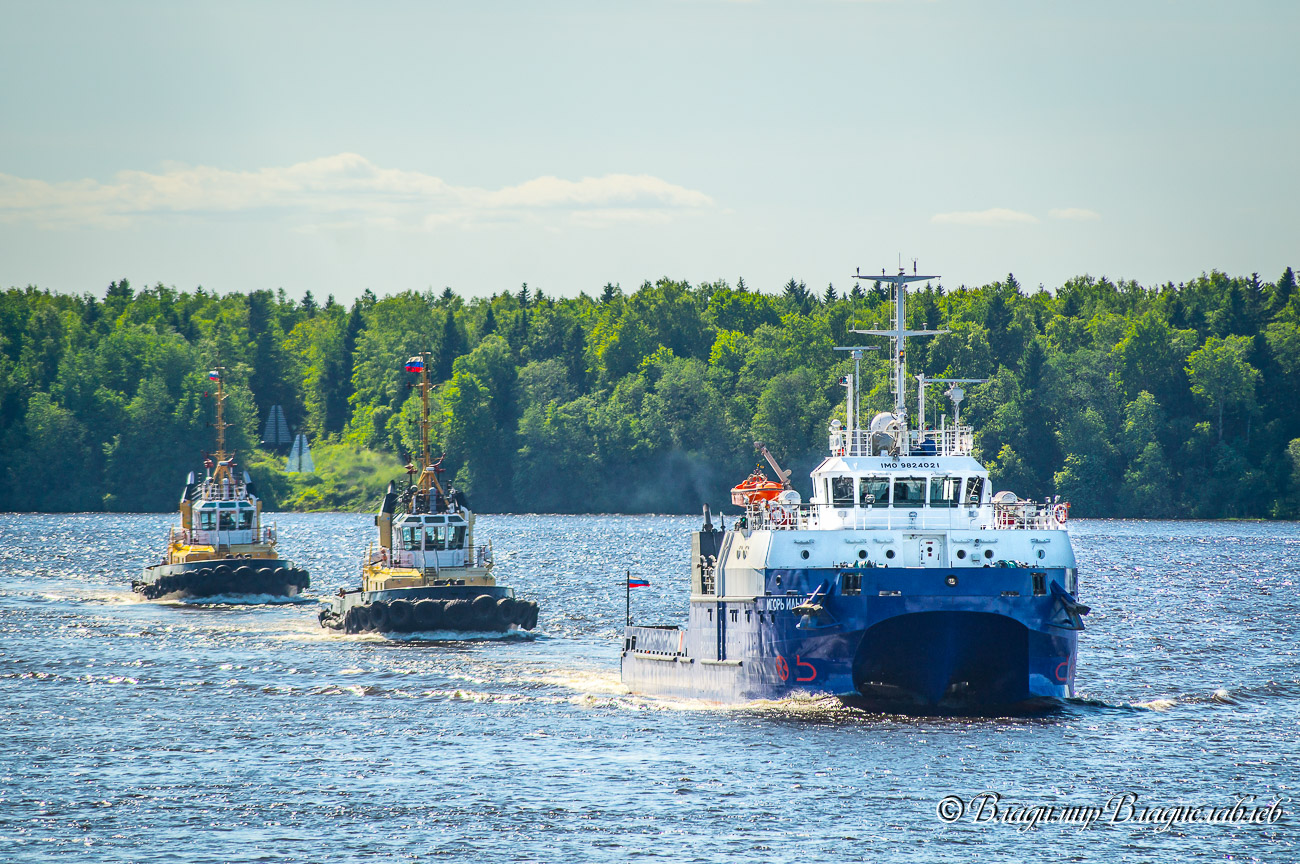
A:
[401,616]
[379,617]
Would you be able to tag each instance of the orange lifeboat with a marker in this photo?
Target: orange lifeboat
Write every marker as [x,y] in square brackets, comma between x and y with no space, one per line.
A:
[754,489]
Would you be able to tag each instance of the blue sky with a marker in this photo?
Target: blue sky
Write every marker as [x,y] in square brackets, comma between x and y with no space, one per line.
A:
[394,146]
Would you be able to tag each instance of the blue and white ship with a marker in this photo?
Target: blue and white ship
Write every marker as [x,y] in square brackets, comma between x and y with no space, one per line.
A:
[904,578]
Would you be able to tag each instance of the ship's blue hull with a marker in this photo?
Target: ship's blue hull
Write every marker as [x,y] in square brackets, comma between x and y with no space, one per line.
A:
[927,638]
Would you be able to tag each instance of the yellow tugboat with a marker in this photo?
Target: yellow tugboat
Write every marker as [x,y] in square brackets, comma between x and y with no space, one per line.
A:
[424,572]
[222,546]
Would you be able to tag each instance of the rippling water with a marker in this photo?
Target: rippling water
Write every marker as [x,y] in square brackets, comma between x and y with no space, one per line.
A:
[134,731]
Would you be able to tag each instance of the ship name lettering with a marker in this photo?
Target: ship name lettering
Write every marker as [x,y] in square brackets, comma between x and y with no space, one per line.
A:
[780,604]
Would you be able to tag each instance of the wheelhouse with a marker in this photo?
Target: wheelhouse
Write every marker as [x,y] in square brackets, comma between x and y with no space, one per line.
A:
[876,489]
[437,533]
[226,516]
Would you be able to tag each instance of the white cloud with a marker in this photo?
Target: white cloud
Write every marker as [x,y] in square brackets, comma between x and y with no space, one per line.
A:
[1075,214]
[345,189]
[984,218]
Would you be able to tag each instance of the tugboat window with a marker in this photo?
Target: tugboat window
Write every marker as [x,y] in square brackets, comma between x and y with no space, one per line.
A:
[975,490]
[842,491]
[245,519]
[207,520]
[411,537]
[874,492]
[433,538]
[458,539]
[909,491]
[227,520]
[945,491]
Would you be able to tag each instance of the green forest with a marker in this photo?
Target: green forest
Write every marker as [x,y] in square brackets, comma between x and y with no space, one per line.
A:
[1178,400]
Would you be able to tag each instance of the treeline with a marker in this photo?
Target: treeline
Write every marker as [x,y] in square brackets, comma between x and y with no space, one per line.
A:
[1177,400]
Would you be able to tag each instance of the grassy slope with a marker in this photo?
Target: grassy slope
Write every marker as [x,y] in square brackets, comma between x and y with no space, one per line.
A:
[346,478]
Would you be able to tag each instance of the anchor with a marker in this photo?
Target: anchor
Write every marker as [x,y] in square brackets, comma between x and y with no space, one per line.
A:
[1070,609]
[814,612]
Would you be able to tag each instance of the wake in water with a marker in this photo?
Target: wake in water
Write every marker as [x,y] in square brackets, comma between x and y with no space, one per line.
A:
[1218,698]
[237,600]
[435,636]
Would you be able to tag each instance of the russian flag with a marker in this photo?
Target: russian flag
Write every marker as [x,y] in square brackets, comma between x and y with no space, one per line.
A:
[214,375]
[415,364]
[637,582]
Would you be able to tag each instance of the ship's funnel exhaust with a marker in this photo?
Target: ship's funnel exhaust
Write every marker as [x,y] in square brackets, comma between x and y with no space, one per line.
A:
[384,518]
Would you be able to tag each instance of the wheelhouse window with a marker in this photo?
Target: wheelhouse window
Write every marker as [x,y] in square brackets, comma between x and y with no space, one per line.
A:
[874,492]
[842,491]
[227,520]
[457,539]
[974,490]
[245,518]
[945,491]
[909,491]
[411,536]
[433,537]
[207,520]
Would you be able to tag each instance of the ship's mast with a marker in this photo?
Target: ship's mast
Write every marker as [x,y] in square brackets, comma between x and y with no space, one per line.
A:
[898,335]
[424,397]
[852,409]
[220,425]
[428,471]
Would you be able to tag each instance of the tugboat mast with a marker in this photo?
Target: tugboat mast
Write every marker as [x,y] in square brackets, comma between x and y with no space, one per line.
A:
[424,397]
[898,335]
[428,482]
[220,424]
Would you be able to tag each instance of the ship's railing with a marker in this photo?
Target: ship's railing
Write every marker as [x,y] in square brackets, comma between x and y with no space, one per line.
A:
[816,517]
[220,536]
[475,556]
[949,441]
[1021,515]
[224,490]
[1030,515]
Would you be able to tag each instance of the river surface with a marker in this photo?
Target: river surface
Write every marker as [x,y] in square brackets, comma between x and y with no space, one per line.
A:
[136,731]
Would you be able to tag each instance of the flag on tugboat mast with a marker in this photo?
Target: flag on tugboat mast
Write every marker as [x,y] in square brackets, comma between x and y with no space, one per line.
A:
[214,375]
[637,582]
[415,364]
